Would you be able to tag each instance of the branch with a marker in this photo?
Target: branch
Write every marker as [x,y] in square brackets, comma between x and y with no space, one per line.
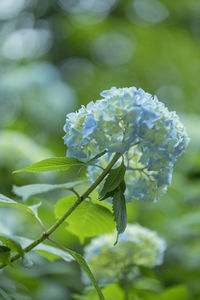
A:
[80,199]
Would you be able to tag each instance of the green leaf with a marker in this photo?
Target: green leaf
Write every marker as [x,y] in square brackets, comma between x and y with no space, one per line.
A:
[86,268]
[178,292]
[29,190]
[13,245]
[28,261]
[5,201]
[87,220]
[96,157]
[4,255]
[53,164]
[122,186]
[119,210]
[56,252]
[81,297]
[34,209]
[113,180]
[4,295]
[111,292]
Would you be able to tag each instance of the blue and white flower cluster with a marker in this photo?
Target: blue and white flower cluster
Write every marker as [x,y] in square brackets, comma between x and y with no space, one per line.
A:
[134,123]
[137,246]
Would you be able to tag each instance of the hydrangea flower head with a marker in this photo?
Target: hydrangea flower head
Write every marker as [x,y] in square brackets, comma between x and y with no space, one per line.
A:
[131,122]
[137,246]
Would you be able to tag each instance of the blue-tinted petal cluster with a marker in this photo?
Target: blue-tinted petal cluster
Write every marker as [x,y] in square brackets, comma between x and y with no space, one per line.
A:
[137,246]
[134,123]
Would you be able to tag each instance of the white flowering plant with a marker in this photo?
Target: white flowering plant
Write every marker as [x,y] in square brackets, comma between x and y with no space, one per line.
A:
[137,246]
[126,144]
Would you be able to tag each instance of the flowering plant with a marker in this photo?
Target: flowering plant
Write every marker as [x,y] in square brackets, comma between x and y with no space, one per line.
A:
[137,246]
[135,124]
[127,143]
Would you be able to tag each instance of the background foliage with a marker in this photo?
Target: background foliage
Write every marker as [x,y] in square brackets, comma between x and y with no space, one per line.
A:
[57,55]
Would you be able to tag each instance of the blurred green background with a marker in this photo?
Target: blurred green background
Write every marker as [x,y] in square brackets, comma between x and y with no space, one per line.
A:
[57,55]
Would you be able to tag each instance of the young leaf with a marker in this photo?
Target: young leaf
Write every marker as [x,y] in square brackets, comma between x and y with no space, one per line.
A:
[9,202]
[4,255]
[13,245]
[29,190]
[87,220]
[53,164]
[119,210]
[56,252]
[113,180]
[81,261]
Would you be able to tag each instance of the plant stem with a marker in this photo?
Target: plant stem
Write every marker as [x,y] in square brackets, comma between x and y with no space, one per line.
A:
[83,264]
[80,199]
[125,286]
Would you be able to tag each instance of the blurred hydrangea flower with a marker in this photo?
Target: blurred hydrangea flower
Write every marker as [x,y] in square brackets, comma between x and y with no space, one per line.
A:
[137,246]
[13,139]
[134,123]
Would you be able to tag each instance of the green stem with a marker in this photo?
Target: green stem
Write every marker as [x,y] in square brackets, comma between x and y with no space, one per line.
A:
[80,199]
[83,264]
[125,286]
